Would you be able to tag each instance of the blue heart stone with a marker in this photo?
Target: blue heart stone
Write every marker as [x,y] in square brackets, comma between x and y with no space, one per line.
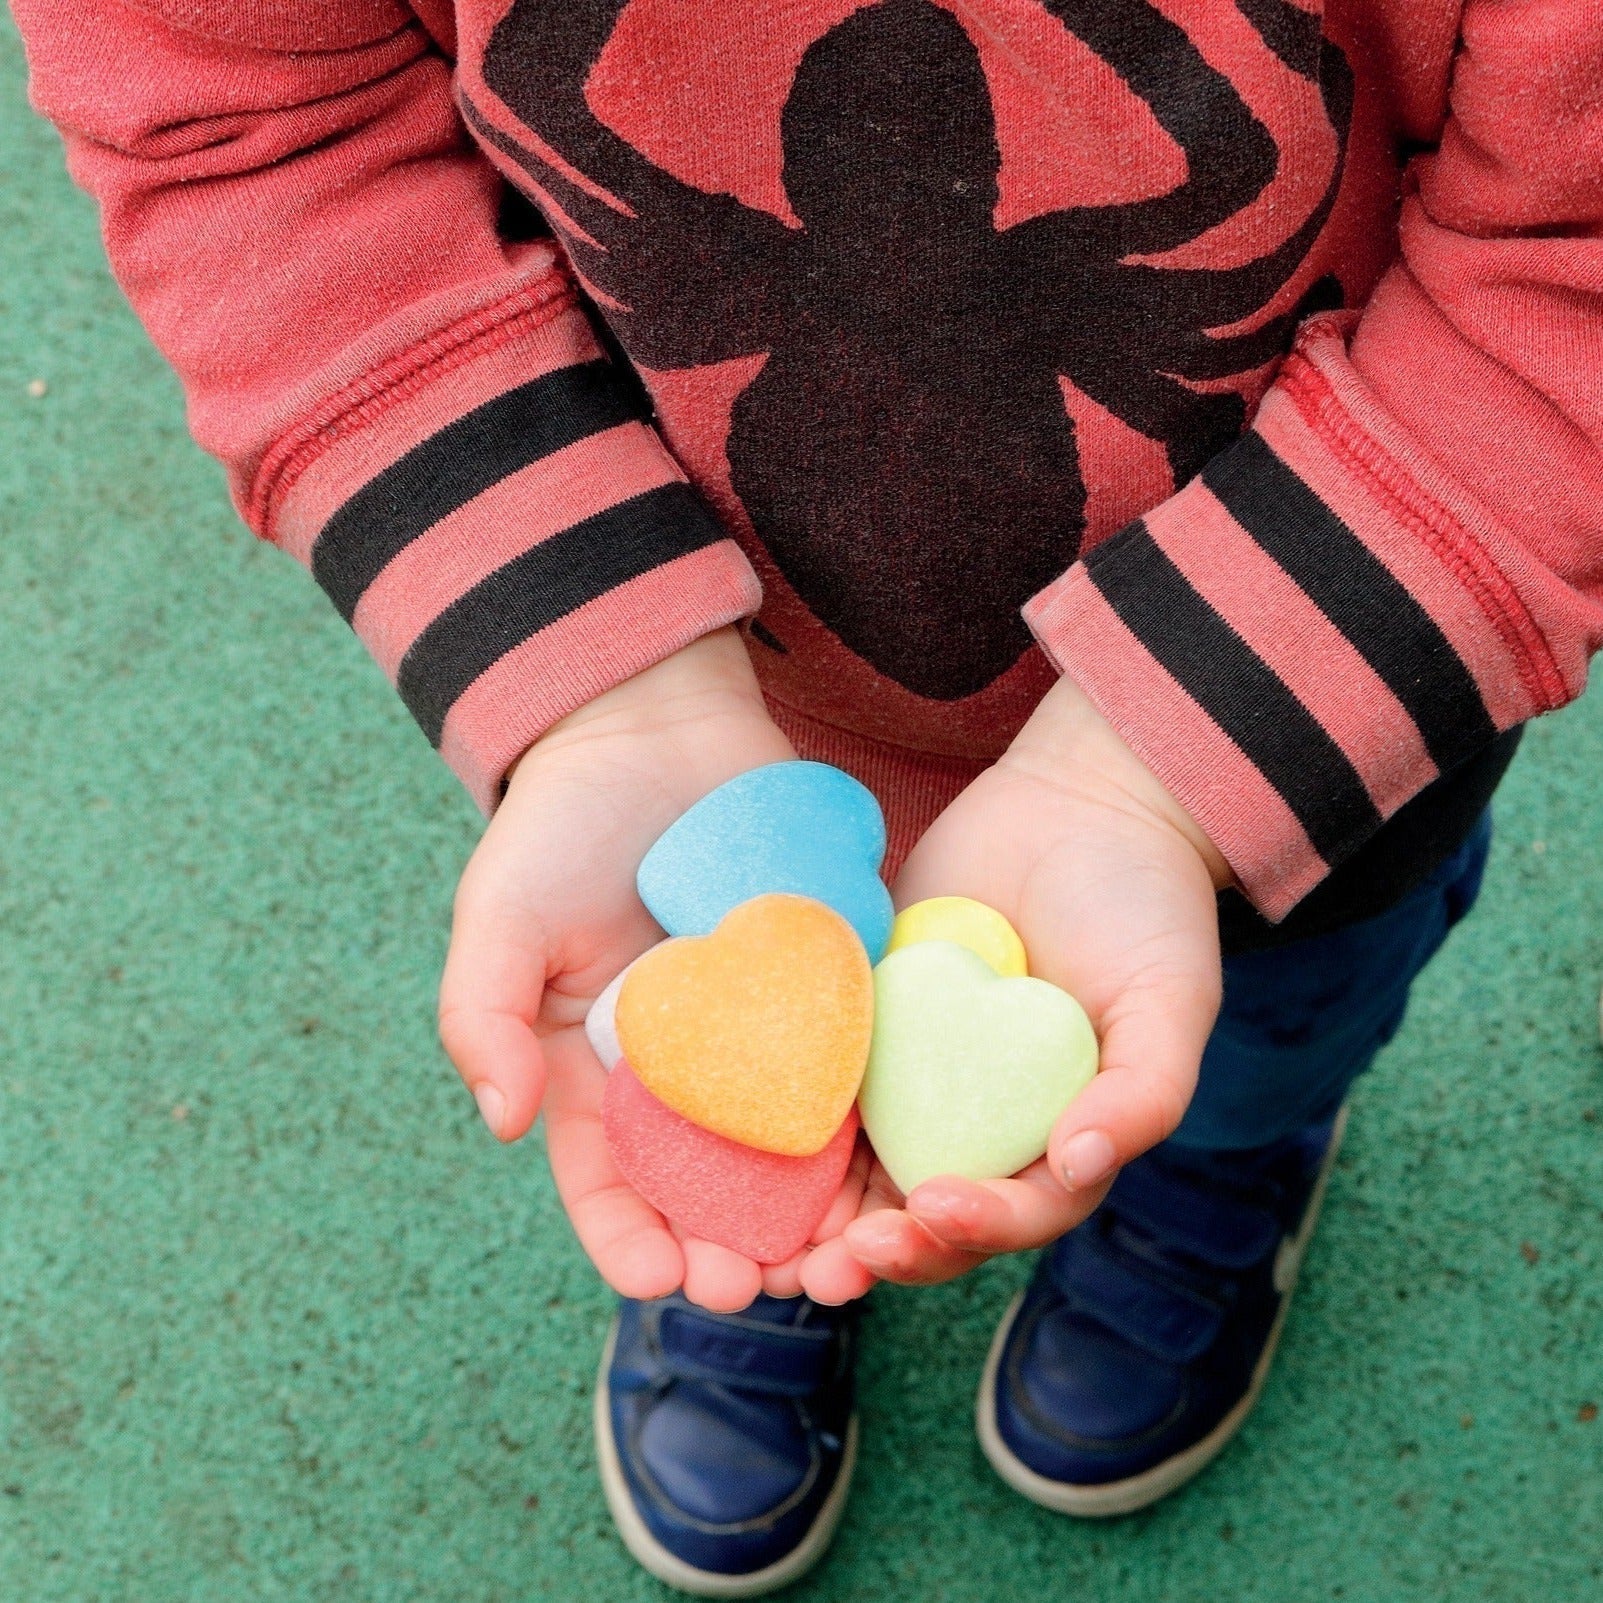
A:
[800,827]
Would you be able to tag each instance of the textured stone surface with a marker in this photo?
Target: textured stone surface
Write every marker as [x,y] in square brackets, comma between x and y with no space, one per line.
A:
[280,1322]
[968,1071]
[800,827]
[759,1203]
[759,1031]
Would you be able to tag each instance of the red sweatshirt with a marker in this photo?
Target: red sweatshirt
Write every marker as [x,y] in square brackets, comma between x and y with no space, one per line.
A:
[1241,358]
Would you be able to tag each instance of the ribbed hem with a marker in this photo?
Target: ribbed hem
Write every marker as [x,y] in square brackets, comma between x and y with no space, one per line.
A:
[510,540]
[1299,641]
[629,629]
[1237,808]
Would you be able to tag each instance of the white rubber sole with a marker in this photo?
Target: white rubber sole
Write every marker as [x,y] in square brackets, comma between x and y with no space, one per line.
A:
[652,1556]
[1137,1491]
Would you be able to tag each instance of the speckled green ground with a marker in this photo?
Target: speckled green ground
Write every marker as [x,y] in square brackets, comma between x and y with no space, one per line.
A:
[278,1322]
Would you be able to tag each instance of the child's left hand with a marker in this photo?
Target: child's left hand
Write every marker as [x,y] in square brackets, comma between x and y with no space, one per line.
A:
[1111,884]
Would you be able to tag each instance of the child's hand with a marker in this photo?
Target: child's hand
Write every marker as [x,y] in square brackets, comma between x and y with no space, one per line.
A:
[546,914]
[1111,884]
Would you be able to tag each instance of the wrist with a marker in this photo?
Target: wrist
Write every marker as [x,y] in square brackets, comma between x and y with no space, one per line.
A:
[702,705]
[1066,737]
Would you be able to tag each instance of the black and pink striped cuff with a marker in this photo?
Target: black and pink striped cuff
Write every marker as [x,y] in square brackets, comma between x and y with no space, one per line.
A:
[510,542]
[1297,642]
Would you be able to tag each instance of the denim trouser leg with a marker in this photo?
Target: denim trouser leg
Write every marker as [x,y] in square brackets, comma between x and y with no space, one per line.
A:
[1301,1022]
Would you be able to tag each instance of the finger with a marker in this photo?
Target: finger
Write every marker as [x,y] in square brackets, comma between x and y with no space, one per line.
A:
[490,992]
[784,1279]
[828,1272]
[718,1278]
[1153,1036]
[1016,1215]
[628,1240]
[894,1246]
[848,1200]
[831,1275]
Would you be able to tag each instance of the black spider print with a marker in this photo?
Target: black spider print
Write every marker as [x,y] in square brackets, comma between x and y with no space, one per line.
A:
[904,453]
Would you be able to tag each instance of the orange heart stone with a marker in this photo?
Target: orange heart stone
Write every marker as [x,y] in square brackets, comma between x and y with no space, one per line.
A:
[759,1031]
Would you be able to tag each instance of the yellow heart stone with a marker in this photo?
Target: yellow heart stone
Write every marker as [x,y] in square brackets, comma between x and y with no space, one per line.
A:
[969,923]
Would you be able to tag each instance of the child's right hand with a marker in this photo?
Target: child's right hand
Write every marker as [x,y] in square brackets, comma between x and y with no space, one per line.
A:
[546,914]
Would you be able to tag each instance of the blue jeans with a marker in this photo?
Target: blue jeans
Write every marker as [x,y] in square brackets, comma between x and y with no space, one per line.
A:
[1301,1022]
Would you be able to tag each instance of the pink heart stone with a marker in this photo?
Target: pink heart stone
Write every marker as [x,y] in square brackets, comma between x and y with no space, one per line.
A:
[762,1204]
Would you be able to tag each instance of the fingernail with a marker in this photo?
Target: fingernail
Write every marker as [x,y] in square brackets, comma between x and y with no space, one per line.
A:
[942,1205]
[872,1247]
[1087,1158]
[492,1108]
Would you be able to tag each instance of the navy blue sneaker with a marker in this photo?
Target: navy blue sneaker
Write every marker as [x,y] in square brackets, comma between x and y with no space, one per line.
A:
[1145,1335]
[727,1441]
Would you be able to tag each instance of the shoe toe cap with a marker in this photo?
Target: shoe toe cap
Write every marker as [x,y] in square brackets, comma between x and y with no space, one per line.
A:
[1076,1404]
[717,1495]
[714,1477]
[725,1464]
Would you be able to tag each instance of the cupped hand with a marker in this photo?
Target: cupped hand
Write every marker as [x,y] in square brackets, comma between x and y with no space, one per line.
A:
[1112,886]
[547,913]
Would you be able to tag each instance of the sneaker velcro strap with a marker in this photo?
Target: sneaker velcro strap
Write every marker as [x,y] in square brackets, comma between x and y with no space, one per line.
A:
[1189,1216]
[748,1354]
[1170,1321]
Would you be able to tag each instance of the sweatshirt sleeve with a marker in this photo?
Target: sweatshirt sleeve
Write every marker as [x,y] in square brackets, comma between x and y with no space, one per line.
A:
[1404,556]
[416,408]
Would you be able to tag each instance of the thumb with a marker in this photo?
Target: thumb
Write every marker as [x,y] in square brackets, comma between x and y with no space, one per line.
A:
[490,995]
[1153,1036]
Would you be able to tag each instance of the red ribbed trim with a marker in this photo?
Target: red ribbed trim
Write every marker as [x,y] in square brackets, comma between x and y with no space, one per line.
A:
[1238,809]
[1311,392]
[1310,655]
[572,661]
[360,403]
[469,544]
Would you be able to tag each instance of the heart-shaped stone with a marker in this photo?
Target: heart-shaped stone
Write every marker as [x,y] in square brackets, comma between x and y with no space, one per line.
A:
[800,827]
[968,1071]
[757,1203]
[758,1031]
[969,923]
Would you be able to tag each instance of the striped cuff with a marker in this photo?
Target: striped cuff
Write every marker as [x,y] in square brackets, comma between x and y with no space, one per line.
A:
[510,539]
[1298,641]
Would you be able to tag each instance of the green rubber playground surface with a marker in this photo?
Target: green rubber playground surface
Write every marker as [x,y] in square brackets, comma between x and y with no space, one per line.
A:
[279,1322]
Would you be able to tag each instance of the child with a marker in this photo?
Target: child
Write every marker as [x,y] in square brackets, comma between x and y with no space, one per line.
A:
[953,316]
